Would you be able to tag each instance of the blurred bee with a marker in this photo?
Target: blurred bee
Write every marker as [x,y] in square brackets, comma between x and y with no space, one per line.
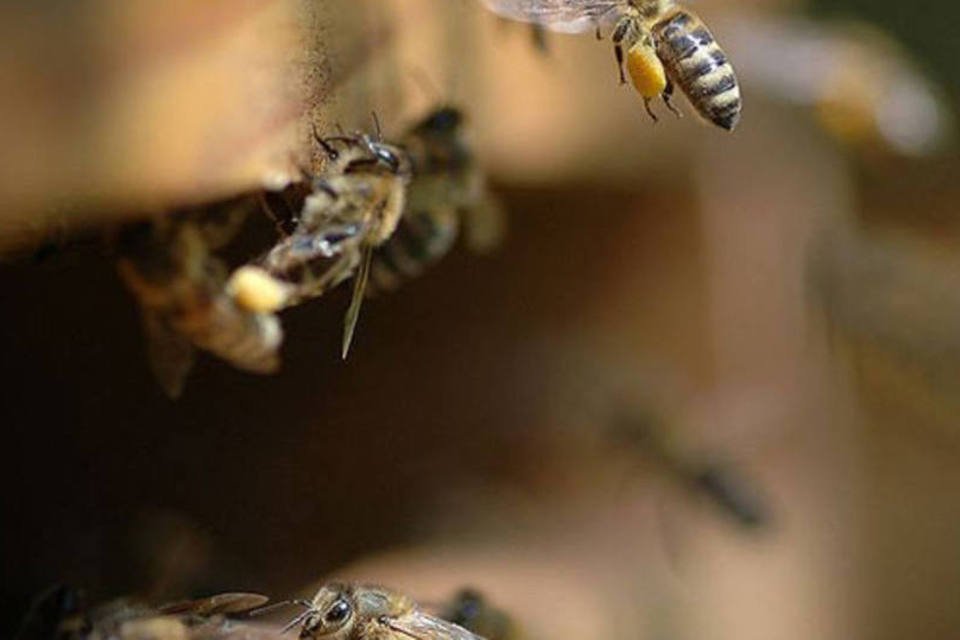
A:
[719,483]
[661,44]
[180,285]
[362,612]
[59,614]
[471,610]
[353,207]
[447,188]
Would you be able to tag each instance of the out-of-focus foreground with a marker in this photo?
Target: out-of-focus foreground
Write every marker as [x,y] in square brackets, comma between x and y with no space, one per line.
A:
[545,423]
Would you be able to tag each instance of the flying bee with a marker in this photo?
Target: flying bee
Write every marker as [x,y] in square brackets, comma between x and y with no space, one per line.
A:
[447,189]
[180,286]
[720,483]
[473,611]
[354,206]
[364,612]
[661,44]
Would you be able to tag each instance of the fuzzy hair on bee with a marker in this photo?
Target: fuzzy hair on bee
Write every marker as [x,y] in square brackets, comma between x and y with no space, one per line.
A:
[342,611]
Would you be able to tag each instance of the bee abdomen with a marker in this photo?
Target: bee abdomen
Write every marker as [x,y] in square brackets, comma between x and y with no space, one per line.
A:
[699,67]
[420,240]
[247,340]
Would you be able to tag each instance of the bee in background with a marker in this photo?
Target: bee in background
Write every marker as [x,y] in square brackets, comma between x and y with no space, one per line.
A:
[661,45]
[353,207]
[169,267]
[447,190]
[720,483]
[59,614]
[363,612]
[472,610]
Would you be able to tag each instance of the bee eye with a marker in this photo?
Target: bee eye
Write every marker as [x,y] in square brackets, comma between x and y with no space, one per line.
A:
[338,612]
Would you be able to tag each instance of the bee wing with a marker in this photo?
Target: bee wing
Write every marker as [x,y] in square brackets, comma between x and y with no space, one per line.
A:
[422,626]
[486,224]
[353,311]
[221,603]
[567,16]
[170,353]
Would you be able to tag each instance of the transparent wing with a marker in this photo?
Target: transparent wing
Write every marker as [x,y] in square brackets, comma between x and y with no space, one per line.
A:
[568,16]
[353,311]
[238,602]
[486,224]
[422,626]
[170,353]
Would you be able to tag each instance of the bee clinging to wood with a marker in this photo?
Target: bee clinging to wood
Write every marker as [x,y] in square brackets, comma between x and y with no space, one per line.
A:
[661,45]
[364,612]
[353,207]
[169,267]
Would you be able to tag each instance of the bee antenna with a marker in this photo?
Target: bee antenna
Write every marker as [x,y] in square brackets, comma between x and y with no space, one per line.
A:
[297,620]
[376,125]
[259,611]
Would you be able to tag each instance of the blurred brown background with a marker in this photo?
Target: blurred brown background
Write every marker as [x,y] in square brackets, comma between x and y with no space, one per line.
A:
[787,294]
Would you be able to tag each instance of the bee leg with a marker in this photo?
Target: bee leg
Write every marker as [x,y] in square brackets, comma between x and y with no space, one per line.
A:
[274,218]
[646,104]
[618,51]
[667,95]
[332,153]
[618,35]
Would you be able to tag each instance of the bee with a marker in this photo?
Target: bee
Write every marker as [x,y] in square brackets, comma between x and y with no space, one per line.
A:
[718,482]
[447,188]
[365,612]
[180,286]
[472,610]
[353,207]
[661,45]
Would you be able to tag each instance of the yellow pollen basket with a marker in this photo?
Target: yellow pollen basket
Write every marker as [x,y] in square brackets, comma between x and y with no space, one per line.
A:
[646,71]
[255,290]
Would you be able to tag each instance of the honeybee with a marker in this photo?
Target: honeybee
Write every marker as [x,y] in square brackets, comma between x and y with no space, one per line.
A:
[718,482]
[661,44]
[448,188]
[180,286]
[364,612]
[353,207]
[472,610]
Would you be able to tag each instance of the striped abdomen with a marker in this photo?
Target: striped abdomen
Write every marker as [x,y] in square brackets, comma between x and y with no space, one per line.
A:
[248,341]
[421,239]
[697,65]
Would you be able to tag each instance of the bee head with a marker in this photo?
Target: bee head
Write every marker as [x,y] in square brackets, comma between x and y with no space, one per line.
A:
[332,612]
